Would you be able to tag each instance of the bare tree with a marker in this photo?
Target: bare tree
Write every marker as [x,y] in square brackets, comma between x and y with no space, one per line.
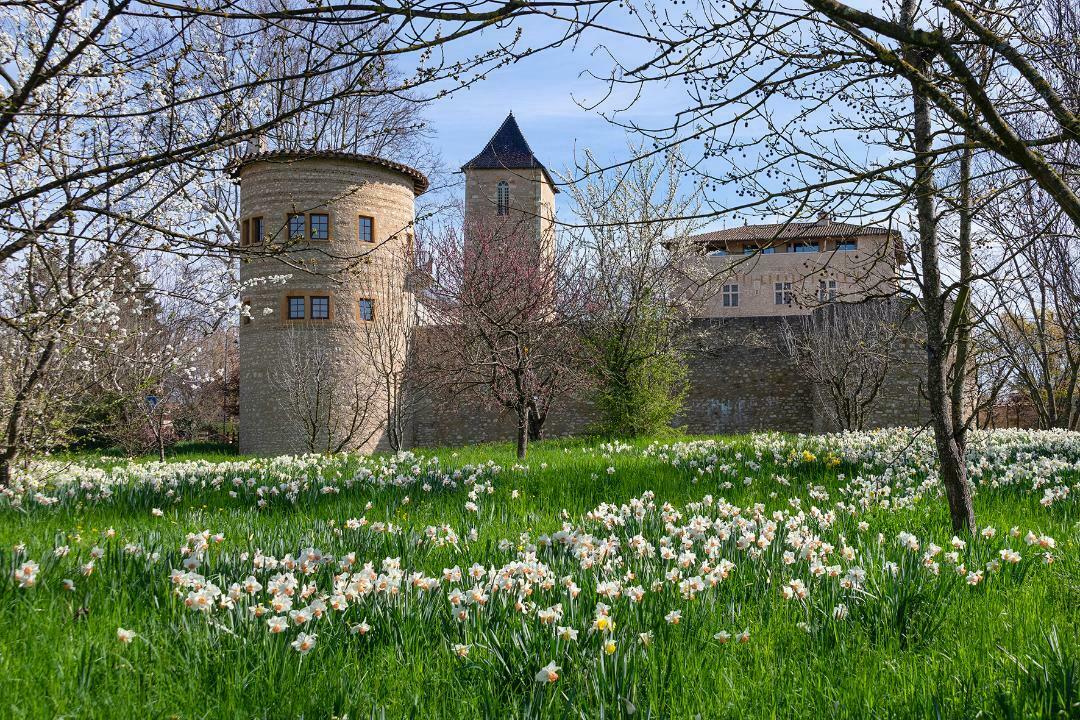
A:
[847,351]
[644,281]
[1038,327]
[502,307]
[387,343]
[331,405]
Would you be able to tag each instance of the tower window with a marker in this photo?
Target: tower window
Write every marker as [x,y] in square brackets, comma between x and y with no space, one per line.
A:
[245,311]
[296,227]
[296,308]
[366,306]
[782,293]
[730,295]
[367,229]
[502,198]
[256,231]
[320,226]
[244,232]
[320,307]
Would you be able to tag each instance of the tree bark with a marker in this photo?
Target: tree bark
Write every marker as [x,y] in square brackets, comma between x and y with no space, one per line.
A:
[949,442]
[536,423]
[523,432]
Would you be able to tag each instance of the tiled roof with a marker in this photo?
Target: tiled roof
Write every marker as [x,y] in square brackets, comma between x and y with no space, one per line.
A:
[788,231]
[507,149]
[420,181]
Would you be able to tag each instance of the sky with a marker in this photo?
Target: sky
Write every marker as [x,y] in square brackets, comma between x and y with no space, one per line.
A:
[540,90]
[550,94]
[546,92]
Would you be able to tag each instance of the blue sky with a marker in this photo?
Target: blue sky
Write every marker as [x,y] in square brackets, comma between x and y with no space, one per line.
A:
[545,92]
[549,94]
[541,91]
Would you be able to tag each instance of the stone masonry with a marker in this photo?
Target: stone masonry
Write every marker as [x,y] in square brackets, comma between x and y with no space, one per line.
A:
[739,381]
[353,226]
[342,267]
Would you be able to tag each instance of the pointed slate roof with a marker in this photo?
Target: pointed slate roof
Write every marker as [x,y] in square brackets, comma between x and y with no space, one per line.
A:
[507,149]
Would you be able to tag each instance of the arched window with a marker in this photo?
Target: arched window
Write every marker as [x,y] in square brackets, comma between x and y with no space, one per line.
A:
[502,198]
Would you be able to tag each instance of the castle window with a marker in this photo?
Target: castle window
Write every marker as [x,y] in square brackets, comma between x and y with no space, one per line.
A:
[502,198]
[717,252]
[367,229]
[782,293]
[245,311]
[847,245]
[296,308]
[826,291]
[320,226]
[730,295]
[366,307]
[806,247]
[244,233]
[255,231]
[296,227]
[320,307]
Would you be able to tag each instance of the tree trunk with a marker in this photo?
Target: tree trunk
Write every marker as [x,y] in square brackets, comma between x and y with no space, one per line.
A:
[536,429]
[948,433]
[953,471]
[536,423]
[523,432]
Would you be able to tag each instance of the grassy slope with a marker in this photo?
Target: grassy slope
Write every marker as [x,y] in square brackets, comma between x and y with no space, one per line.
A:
[993,653]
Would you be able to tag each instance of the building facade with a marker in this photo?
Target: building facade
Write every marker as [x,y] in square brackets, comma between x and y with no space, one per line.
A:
[326,236]
[329,251]
[792,268]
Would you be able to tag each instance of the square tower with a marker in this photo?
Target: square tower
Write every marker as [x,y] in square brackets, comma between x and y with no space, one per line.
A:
[506,186]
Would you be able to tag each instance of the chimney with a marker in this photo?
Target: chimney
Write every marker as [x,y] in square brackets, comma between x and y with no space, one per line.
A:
[824,218]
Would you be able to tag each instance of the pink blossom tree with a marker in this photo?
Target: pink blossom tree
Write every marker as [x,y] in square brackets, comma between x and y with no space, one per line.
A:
[502,304]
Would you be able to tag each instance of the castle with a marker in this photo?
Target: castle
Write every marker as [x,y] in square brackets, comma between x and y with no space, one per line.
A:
[306,218]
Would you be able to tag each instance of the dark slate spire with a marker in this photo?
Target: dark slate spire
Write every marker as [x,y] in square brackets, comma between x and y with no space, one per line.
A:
[507,149]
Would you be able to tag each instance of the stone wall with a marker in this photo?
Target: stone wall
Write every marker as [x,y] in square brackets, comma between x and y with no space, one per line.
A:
[740,381]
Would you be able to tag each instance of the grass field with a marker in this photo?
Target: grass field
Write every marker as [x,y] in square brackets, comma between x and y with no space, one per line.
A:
[756,576]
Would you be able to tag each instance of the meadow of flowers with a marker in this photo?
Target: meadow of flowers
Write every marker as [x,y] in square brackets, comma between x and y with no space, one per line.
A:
[765,575]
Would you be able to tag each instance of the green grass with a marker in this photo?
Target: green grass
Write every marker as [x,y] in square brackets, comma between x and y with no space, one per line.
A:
[181,451]
[912,646]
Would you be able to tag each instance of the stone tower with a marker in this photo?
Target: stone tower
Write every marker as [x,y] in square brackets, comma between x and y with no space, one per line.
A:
[506,183]
[328,240]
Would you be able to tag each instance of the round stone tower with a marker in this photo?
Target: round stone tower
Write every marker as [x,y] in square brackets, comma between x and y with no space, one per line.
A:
[327,240]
